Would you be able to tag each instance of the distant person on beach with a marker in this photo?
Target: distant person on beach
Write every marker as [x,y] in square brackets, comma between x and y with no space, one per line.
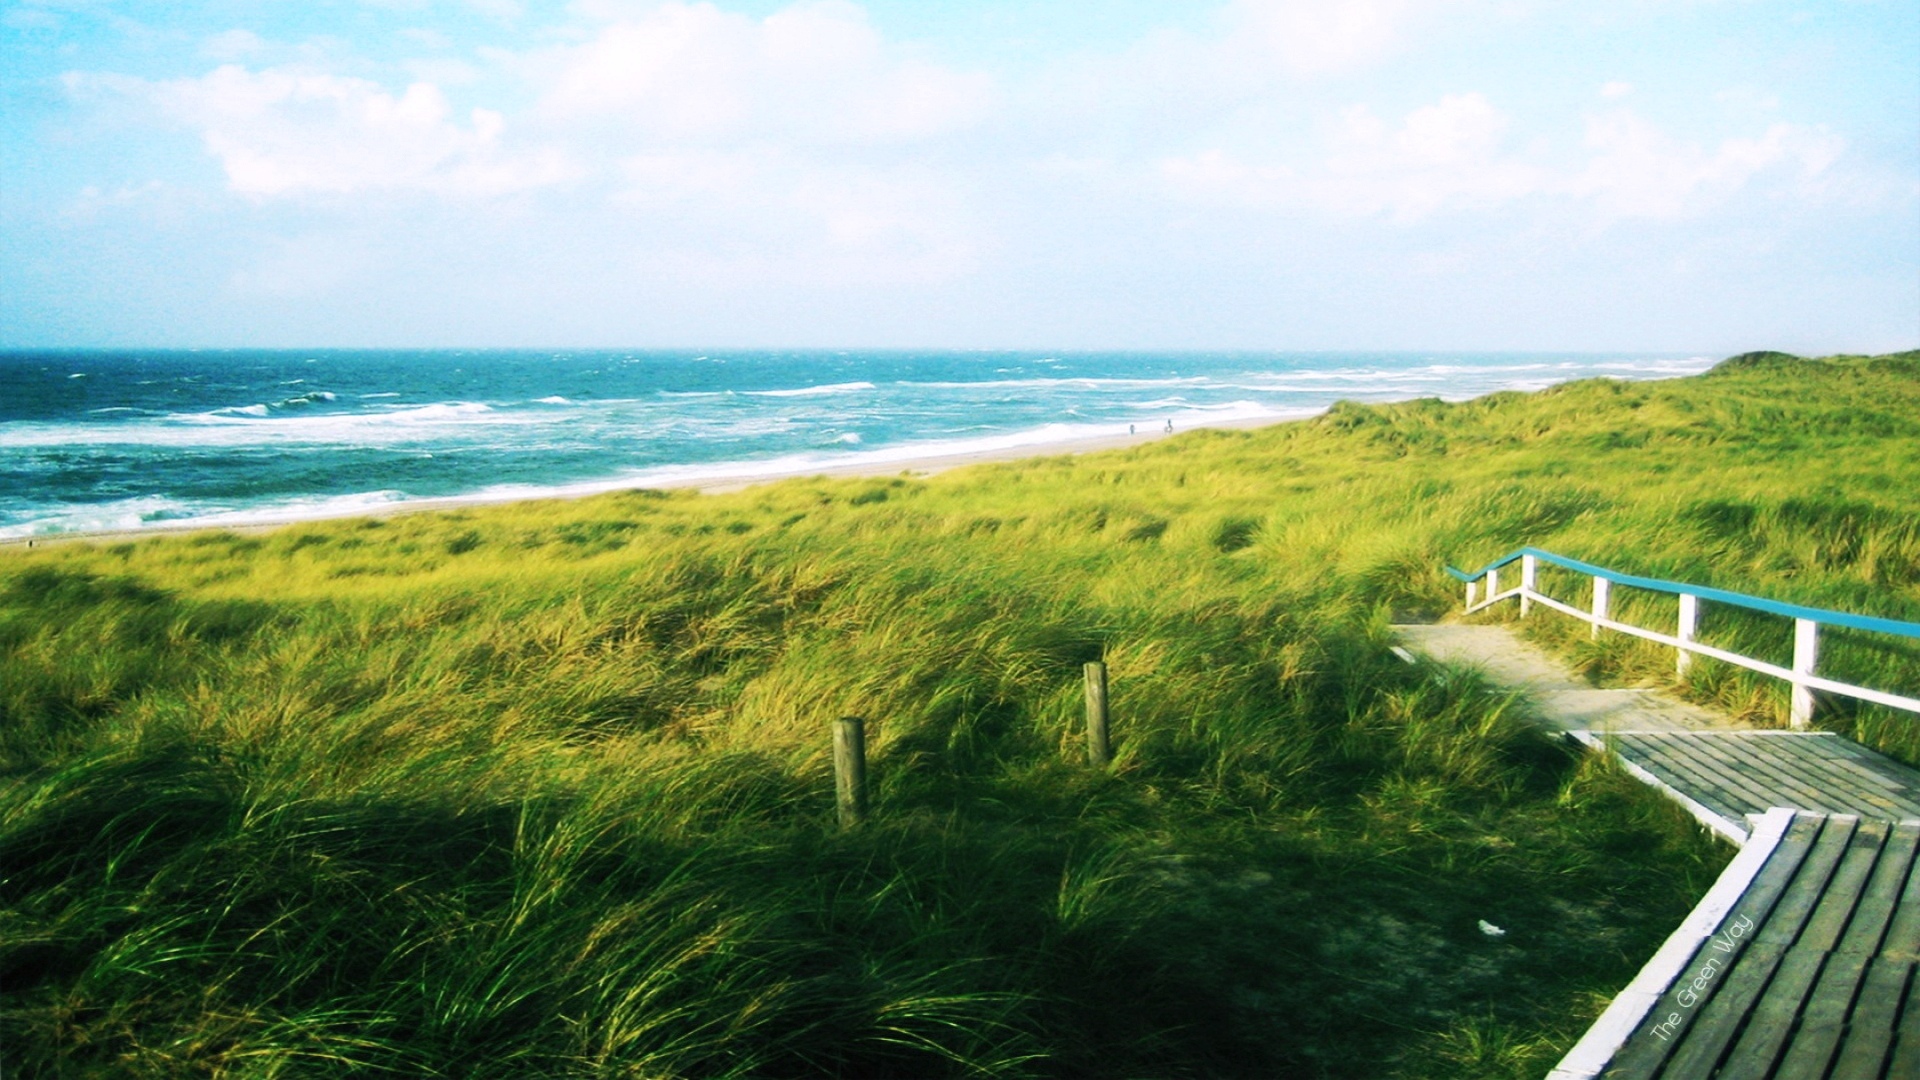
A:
[1129,429]
[1169,425]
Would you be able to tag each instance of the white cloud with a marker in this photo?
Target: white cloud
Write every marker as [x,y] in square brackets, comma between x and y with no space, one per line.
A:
[1319,37]
[505,11]
[305,265]
[233,45]
[1444,154]
[770,214]
[1615,90]
[814,71]
[287,132]
[1636,170]
[1450,155]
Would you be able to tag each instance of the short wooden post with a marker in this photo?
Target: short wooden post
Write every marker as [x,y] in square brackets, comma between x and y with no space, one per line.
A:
[1601,590]
[1099,749]
[850,769]
[1689,625]
[1806,653]
[1472,588]
[1529,574]
[1493,585]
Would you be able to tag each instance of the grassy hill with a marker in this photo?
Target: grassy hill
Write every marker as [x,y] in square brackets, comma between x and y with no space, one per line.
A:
[544,789]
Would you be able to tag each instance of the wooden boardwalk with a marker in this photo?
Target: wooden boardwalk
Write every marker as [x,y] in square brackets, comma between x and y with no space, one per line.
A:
[1727,778]
[1800,963]
[1723,773]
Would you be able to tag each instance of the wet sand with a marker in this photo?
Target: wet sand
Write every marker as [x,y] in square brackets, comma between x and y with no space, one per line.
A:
[746,477]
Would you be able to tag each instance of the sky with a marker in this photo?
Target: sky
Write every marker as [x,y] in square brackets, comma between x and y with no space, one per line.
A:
[1630,175]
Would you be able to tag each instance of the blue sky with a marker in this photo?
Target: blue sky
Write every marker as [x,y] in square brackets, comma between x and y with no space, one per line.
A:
[1704,175]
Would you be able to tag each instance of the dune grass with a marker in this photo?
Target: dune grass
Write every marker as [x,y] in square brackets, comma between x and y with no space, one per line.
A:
[543,789]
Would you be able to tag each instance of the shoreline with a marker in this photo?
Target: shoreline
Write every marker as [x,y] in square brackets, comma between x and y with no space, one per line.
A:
[747,477]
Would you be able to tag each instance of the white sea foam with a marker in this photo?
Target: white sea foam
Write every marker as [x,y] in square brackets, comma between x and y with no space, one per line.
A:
[117,516]
[255,424]
[745,470]
[554,400]
[159,512]
[295,510]
[1069,383]
[811,391]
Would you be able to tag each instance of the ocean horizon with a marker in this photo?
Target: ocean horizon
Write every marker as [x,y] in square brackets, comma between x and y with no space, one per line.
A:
[97,441]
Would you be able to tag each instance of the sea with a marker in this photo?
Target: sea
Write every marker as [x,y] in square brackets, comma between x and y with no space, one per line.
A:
[139,439]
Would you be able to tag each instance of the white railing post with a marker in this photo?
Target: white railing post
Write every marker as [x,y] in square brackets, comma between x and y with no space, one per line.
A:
[1493,584]
[1806,653]
[1601,587]
[1472,588]
[1689,624]
[1529,572]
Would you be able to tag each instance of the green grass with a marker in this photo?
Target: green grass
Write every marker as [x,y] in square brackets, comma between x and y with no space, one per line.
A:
[543,789]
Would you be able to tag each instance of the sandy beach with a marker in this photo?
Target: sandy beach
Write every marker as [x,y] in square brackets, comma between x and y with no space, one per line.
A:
[746,476]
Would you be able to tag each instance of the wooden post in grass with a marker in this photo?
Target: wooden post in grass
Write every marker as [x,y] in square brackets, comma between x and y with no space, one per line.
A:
[850,769]
[1099,750]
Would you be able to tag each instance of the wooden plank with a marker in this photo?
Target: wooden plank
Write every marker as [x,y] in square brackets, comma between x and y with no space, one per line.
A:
[1817,869]
[1772,1020]
[1781,898]
[1906,1052]
[1734,830]
[1823,1018]
[1869,1034]
[1729,778]
[1856,776]
[1780,839]
[1880,902]
[1889,771]
[1849,884]
[1842,789]
[1761,756]
[1823,1022]
[1725,1017]
[1836,757]
[1877,769]
[1676,769]
[1759,787]
[1817,791]
[1902,942]
[1673,1016]
[1772,785]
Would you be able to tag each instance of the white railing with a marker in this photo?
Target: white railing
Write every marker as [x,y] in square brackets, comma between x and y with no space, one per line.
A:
[1807,621]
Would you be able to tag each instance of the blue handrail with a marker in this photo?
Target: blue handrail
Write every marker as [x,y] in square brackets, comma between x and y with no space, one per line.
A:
[1718,596]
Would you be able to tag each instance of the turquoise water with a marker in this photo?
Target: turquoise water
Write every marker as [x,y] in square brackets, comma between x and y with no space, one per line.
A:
[119,440]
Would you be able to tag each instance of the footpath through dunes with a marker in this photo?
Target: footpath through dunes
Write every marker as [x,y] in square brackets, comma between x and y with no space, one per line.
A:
[1799,961]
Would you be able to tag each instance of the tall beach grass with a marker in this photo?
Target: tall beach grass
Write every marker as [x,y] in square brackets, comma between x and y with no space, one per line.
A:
[543,789]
